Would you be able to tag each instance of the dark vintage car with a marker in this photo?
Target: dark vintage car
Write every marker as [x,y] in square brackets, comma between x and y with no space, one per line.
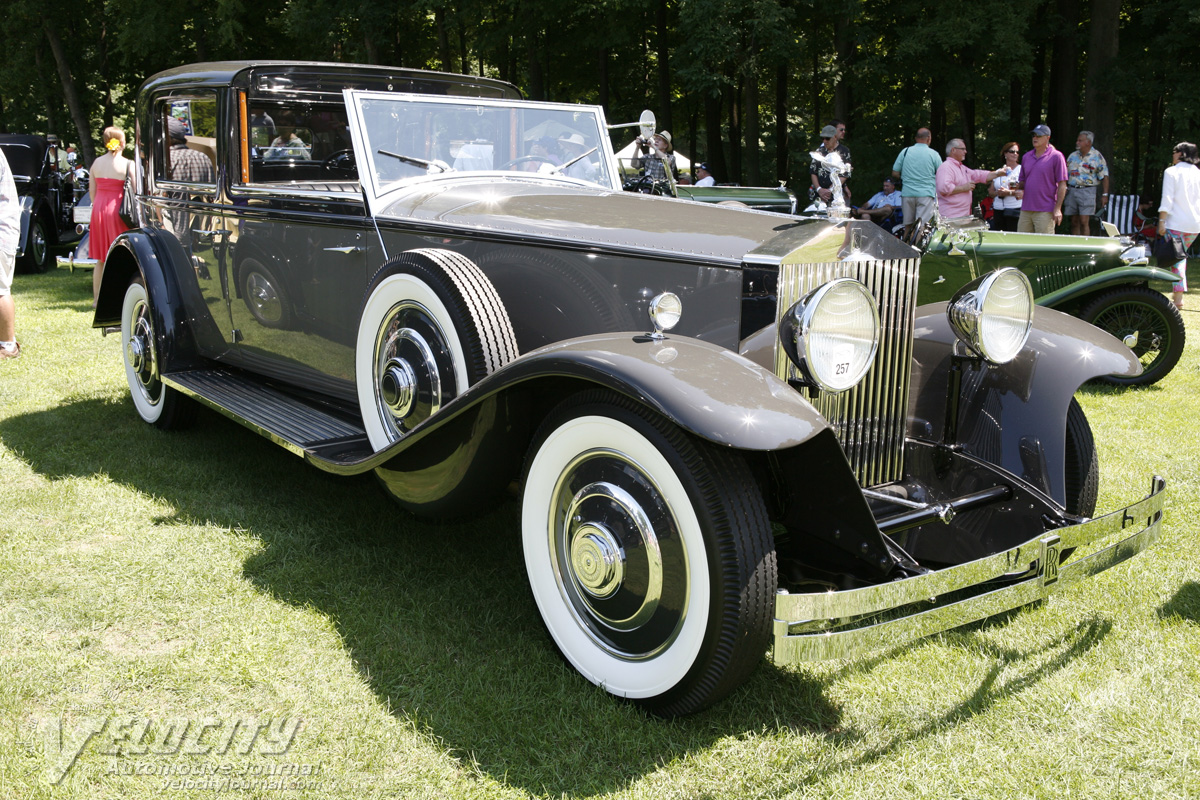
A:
[732,432]
[1105,280]
[47,199]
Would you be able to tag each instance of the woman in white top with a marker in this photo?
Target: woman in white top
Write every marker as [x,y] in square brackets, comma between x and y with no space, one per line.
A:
[1179,210]
[1006,209]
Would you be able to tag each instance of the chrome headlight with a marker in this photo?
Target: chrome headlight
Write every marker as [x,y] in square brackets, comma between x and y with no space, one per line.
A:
[832,334]
[992,314]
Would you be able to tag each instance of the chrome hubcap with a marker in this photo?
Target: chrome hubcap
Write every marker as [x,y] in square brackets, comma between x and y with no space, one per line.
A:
[263,295]
[139,351]
[397,387]
[597,560]
[414,369]
[619,555]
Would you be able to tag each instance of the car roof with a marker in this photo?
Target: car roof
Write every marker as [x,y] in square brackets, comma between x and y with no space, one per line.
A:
[25,153]
[326,78]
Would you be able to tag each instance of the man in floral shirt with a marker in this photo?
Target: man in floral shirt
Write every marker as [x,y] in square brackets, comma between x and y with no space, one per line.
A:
[1086,168]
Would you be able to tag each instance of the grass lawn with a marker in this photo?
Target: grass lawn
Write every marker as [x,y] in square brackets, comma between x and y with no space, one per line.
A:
[175,593]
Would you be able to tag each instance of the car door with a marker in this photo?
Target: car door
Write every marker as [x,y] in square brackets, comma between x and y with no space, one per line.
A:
[298,264]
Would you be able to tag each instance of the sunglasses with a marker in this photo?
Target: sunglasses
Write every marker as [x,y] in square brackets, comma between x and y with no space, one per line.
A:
[1014,152]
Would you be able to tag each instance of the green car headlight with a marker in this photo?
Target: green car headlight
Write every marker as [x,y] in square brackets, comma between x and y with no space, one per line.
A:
[832,334]
[993,314]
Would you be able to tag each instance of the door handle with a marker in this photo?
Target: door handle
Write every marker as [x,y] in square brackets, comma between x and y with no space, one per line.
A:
[212,236]
[346,250]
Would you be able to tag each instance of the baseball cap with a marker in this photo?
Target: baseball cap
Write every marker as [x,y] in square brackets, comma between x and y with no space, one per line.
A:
[1041,130]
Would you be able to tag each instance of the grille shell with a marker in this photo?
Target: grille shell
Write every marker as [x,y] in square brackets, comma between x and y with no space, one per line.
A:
[870,420]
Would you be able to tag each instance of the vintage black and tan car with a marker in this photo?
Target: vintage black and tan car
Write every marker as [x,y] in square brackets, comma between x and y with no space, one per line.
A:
[47,199]
[1106,280]
[733,432]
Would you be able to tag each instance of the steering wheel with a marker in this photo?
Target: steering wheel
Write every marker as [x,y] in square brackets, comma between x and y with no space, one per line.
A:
[526,160]
[340,160]
[645,184]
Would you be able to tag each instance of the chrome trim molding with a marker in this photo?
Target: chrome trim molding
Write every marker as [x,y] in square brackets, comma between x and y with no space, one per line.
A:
[827,625]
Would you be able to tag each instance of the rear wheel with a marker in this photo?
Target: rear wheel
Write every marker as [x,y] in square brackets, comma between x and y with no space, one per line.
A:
[1155,321]
[156,403]
[648,552]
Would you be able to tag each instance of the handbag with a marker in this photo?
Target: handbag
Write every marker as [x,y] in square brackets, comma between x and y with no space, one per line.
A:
[128,209]
[1169,249]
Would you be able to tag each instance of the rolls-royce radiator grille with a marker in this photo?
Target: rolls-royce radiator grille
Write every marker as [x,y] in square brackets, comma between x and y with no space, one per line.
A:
[870,419]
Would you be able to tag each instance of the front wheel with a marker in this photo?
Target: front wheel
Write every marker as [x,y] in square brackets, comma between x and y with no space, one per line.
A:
[156,403]
[1150,317]
[649,554]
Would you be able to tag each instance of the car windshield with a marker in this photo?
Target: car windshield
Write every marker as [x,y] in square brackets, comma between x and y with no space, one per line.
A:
[408,136]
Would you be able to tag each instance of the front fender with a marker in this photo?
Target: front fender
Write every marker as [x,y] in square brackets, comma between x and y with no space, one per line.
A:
[26,217]
[706,389]
[1011,415]
[468,450]
[1120,276]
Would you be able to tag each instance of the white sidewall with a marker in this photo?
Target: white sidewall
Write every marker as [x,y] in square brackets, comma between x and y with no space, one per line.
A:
[147,410]
[636,679]
[393,290]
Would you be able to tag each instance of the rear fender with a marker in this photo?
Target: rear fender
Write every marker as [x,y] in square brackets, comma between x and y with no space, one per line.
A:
[1011,415]
[148,254]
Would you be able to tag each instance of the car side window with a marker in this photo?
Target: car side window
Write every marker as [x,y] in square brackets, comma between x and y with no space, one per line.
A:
[187,147]
[300,144]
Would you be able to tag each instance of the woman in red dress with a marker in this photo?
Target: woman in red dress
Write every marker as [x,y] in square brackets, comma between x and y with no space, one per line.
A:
[107,189]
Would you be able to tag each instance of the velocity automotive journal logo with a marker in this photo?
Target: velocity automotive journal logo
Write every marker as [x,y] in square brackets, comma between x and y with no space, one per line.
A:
[150,746]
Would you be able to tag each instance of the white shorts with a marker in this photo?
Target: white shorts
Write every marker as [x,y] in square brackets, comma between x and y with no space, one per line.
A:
[8,265]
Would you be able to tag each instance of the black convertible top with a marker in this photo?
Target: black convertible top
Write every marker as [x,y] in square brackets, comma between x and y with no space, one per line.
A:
[25,153]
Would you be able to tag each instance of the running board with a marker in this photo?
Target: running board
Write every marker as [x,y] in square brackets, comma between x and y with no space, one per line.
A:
[304,428]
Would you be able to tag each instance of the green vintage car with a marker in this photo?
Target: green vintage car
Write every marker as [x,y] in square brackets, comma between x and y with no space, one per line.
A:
[1105,280]
[634,179]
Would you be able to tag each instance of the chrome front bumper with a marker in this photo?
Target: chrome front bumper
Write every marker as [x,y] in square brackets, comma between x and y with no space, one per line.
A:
[827,625]
[72,263]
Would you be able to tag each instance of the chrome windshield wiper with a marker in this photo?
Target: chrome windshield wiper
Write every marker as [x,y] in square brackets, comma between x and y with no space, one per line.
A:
[441,166]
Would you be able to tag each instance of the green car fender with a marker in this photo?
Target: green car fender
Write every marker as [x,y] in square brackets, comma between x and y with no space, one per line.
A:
[1090,285]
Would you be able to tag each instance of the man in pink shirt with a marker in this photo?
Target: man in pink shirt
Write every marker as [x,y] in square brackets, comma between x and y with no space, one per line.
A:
[955,181]
[1044,179]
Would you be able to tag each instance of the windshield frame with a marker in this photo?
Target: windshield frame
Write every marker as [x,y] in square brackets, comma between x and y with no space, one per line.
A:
[380,193]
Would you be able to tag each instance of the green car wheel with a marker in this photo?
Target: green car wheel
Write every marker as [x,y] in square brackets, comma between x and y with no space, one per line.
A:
[1152,318]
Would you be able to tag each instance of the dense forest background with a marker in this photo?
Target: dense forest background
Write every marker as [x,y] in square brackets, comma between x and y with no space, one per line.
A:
[744,84]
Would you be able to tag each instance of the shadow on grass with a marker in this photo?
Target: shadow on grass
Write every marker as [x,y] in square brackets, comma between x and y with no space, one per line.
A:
[439,619]
[1184,604]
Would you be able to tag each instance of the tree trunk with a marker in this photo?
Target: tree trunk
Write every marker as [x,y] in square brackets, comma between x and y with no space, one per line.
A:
[1014,109]
[602,59]
[537,89]
[1150,175]
[844,49]
[664,69]
[733,96]
[781,122]
[937,115]
[72,97]
[712,133]
[1037,87]
[439,18]
[1063,103]
[1099,100]
[753,151]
